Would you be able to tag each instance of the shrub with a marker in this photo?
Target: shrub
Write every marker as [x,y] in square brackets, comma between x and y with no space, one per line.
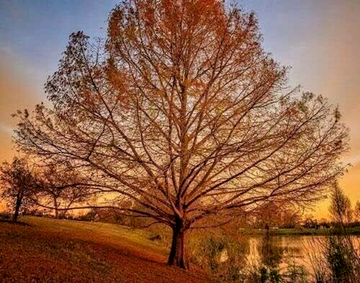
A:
[219,253]
[337,260]
[5,216]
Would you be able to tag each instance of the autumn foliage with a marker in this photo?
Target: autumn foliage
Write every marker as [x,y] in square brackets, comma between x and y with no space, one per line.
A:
[181,112]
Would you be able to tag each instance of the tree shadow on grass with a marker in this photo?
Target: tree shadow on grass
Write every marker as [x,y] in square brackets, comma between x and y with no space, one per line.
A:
[15,223]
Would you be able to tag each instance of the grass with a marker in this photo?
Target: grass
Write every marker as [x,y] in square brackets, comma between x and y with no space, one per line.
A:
[49,250]
[303,231]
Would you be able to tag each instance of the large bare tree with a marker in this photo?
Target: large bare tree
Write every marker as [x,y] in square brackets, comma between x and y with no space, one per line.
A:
[181,111]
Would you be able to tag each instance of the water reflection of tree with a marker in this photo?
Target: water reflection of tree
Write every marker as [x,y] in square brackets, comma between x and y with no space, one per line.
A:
[270,257]
[269,270]
[271,254]
[222,254]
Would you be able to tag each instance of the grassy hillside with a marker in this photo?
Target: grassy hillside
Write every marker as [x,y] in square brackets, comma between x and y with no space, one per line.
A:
[49,250]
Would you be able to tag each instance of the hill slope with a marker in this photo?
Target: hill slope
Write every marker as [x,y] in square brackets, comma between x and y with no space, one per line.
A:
[49,250]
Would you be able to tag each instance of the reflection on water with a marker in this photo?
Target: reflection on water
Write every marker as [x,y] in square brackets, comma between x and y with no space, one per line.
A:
[269,258]
[281,251]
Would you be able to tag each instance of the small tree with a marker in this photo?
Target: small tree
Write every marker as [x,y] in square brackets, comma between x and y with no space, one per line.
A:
[18,185]
[61,187]
[340,208]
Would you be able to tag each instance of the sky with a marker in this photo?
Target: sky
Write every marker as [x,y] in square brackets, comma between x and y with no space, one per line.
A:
[319,40]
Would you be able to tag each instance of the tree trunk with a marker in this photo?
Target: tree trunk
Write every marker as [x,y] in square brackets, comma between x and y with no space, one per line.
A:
[17,208]
[177,252]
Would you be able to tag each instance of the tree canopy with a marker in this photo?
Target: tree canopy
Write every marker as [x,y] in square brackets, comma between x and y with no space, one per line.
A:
[181,111]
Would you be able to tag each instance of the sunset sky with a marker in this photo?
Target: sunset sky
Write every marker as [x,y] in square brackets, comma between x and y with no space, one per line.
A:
[319,39]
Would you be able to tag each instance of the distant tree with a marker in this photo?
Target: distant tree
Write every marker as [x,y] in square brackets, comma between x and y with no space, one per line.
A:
[17,185]
[357,211]
[340,207]
[61,187]
[274,214]
[310,222]
[290,218]
[182,112]
[324,223]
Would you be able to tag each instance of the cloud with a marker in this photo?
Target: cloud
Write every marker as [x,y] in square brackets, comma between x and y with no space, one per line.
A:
[354,159]
[6,129]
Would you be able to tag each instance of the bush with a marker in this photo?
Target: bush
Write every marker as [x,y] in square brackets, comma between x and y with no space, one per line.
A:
[5,216]
[219,253]
[341,258]
[155,237]
[338,260]
[161,233]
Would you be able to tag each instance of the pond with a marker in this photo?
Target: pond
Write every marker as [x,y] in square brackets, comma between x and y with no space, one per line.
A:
[282,251]
[286,258]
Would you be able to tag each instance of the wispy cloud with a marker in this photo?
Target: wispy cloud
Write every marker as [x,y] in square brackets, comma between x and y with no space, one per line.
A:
[6,129]
[354,159]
